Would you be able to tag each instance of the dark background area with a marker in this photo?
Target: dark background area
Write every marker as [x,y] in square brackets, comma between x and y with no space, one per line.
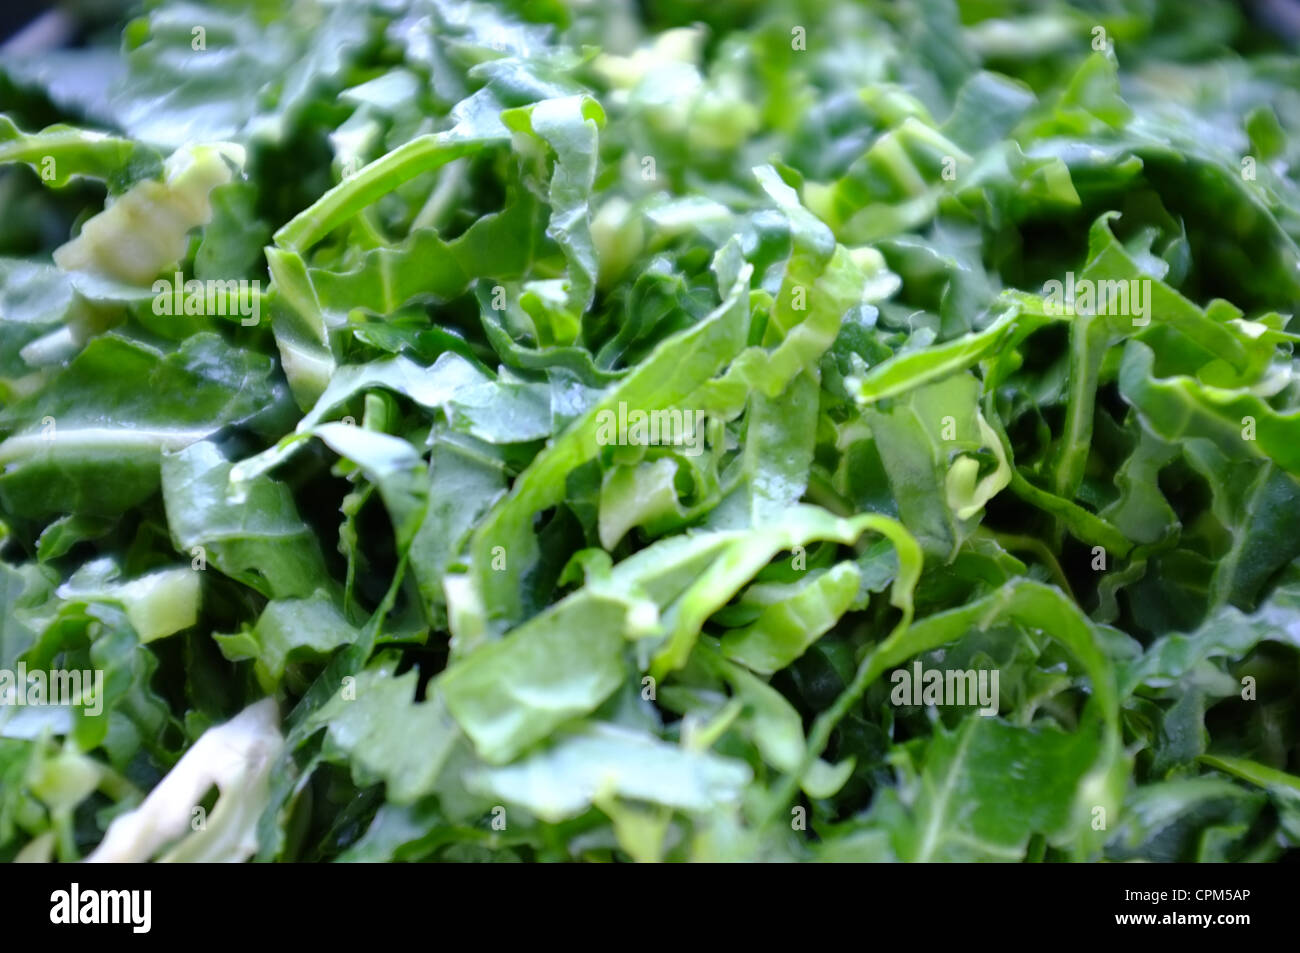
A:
[15,14]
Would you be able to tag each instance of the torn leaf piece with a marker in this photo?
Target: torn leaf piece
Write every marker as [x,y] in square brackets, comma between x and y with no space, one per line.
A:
[237,758]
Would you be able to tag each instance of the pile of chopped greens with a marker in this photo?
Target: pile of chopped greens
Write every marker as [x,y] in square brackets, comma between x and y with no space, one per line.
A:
[330,338]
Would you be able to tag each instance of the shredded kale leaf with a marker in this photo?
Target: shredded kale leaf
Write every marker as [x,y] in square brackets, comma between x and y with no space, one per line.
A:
[549,430]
